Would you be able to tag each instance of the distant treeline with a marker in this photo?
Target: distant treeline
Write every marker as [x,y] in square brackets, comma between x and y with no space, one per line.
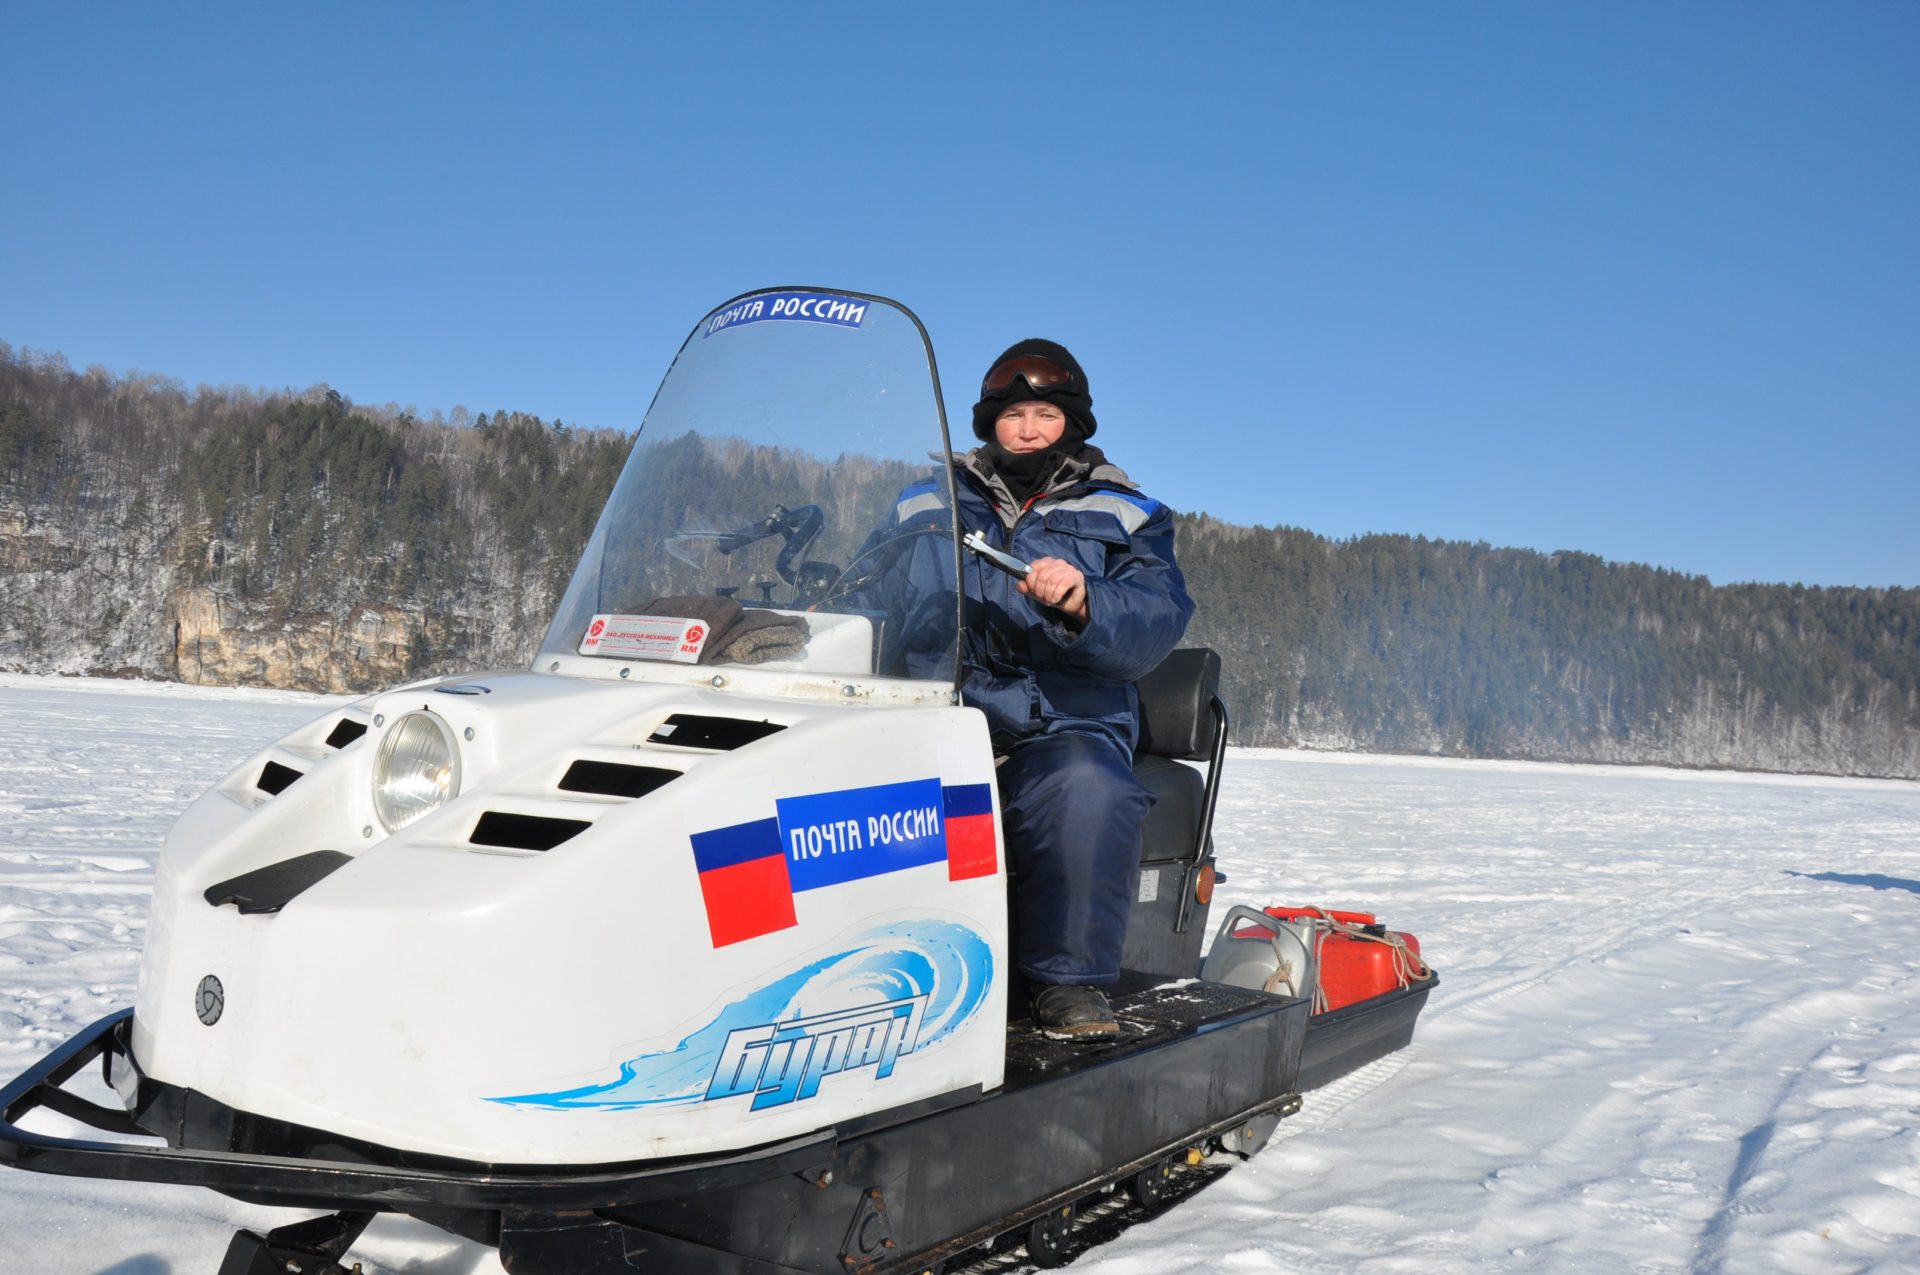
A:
[1406,644]
[122,497]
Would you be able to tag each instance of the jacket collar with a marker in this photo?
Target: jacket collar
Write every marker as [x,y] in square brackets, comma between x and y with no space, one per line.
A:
[1087,468]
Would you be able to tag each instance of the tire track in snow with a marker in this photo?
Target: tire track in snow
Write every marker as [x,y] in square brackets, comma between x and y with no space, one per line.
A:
[1319,1107]
[1699,1109]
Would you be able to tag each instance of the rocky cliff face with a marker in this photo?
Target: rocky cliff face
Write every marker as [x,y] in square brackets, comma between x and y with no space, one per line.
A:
[75,604]
[216,643]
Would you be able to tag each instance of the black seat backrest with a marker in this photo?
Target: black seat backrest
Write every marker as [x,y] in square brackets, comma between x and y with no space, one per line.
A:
[1176,718]
[1181,720]
[1178,723]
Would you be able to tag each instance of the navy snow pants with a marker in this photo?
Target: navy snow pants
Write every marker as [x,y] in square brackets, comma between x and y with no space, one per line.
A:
[1072,811]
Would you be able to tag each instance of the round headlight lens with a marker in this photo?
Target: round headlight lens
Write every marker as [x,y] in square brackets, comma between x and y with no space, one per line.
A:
[417,771]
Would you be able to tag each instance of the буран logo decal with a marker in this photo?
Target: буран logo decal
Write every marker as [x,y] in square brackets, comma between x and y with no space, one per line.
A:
[890,991]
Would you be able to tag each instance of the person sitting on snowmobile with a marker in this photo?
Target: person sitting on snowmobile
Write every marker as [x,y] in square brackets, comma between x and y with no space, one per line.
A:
[1051,660]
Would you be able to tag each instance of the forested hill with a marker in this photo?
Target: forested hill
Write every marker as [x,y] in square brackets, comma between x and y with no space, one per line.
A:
[300,540]
[1405,644]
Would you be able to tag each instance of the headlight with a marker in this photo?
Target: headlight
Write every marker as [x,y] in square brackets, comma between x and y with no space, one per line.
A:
[417,771]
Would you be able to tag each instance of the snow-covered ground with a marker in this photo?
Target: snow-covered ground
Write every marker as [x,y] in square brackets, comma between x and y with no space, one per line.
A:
[1678,1028]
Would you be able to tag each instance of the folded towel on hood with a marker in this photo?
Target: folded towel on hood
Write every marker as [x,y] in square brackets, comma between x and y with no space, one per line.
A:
[759,636]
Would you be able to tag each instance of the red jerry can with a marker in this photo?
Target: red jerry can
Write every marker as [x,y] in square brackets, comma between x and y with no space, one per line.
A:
[1351,965]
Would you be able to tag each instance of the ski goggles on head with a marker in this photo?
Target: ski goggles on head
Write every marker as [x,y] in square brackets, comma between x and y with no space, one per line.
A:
[1041,373]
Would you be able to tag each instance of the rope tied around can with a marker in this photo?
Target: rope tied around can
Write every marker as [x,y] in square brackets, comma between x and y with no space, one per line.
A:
[1408,968]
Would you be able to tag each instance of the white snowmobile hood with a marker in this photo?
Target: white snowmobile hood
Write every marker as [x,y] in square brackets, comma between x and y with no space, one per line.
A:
[780,932]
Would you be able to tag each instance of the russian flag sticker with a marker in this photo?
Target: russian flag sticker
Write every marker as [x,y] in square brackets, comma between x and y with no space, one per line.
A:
[972,850]
[743,879]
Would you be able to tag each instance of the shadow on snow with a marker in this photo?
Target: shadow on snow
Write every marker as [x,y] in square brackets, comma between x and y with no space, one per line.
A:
[1872,880]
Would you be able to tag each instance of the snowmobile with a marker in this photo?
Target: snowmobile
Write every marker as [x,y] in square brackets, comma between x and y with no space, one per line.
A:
[686,949]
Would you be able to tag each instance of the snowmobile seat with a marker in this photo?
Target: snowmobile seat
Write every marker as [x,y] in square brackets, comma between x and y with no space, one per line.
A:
[1182,720]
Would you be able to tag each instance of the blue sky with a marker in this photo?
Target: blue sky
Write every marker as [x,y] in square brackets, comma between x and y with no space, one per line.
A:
[1636,279]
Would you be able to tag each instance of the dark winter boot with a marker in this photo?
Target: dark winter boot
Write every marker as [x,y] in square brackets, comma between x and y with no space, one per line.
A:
[1070,1011]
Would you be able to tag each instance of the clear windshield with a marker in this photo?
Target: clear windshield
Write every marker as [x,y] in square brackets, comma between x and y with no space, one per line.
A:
[785,507]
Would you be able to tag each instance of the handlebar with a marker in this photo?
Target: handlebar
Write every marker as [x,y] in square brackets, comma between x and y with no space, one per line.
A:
[797,527]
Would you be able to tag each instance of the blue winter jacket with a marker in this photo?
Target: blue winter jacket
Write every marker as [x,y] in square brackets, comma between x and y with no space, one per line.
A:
[1023,665]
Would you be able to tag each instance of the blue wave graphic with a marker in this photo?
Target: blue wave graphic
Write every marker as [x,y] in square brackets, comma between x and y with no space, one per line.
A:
[949,964]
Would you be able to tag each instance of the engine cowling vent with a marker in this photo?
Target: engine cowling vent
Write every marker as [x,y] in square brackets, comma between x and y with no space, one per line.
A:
[344,732]
[615,779]
[715,734]
[524,832]
[275,778]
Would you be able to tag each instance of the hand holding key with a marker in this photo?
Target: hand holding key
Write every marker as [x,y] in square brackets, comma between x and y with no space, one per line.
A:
[1058,584]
